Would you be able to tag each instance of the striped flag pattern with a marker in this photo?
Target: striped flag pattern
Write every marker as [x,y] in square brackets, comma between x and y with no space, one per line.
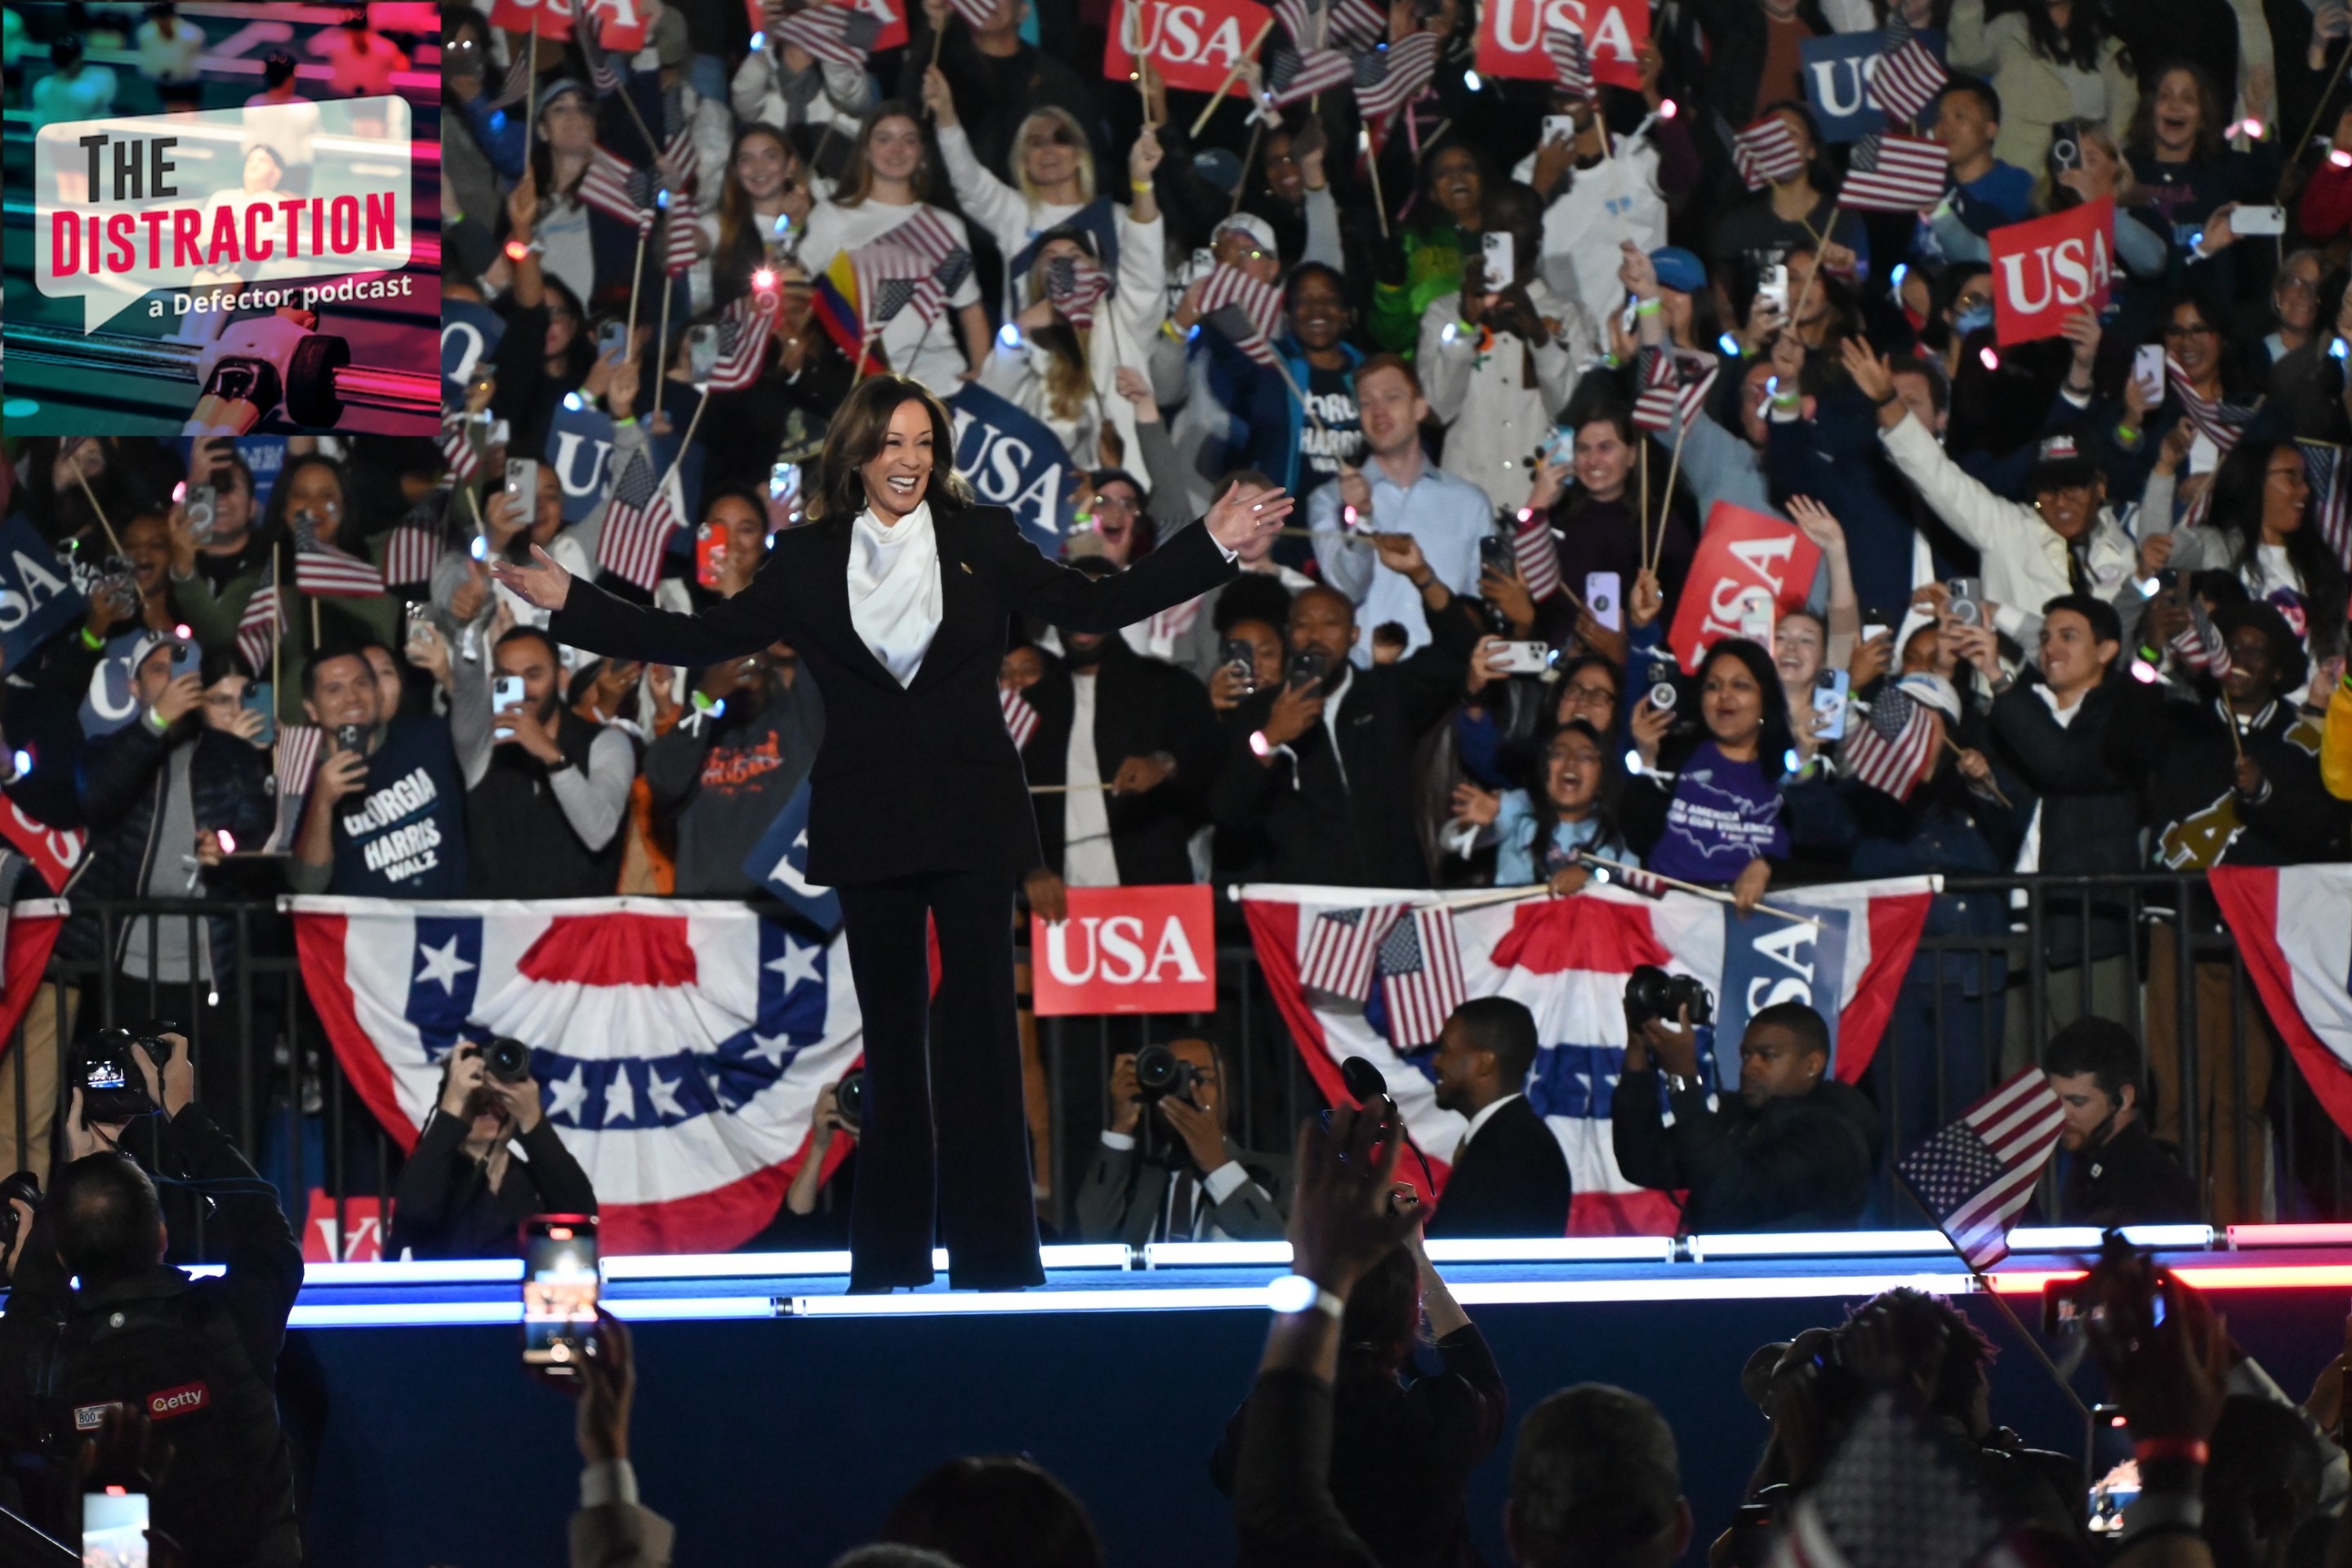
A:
[1020,718]
[834,34]
[611,187]
[1571,62]
[681,163]
[457,447]
[1419,965]
[1675,387]
[1767,153]
[2219,423]
[328,573]
[1907,76]
[1890,748]
[603,70]
[259,627]
[638,521]
[1976,1174]
[1339,949]
[1296,78]
[298,758]
[517,85]
[411,554]
[1388,78]
[975,13]
[1076,285]
[678,235]
[1538,555]
[2200,644]
[743,331]
[2331,478]
[1247,311]
[1893,174]
[1329,23]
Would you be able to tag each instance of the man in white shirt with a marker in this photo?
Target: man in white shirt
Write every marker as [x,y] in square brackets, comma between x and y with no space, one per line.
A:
[1398,490]
[1182,1180]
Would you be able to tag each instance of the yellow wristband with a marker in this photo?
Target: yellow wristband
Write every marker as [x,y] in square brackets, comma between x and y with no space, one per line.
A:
[1139,185]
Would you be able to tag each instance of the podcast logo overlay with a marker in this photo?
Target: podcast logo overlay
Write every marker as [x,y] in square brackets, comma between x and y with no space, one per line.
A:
[162,219]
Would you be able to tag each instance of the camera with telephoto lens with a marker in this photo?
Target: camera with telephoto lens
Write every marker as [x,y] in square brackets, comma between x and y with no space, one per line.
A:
[506,1060]
[849,1098]
[1161,1073]
[1651,993]
[107,1071]
[23,1186]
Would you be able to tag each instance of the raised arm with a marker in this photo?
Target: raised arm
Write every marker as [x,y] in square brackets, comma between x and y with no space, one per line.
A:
[587,617]
[1194,560]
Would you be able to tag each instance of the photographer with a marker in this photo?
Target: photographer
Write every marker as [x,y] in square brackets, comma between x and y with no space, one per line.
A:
[1197,1185]
[402,832]
[1793,1152]
[200,1356]
[835,1115]
[462,1192]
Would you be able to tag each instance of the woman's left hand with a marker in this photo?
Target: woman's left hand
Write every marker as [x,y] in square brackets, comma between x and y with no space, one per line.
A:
[1748,890]
[1246,512]
[544,582]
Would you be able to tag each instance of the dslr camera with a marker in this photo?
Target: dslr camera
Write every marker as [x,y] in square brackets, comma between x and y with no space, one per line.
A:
[1161,1073]
[23,1185]
[849,1098]
[506,1060]
[106,1070]
[1651,993]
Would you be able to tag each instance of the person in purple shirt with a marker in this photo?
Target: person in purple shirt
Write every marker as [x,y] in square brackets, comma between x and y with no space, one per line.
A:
[1705,806]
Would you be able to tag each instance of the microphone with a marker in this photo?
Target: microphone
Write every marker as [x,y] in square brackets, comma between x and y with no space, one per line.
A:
[1367,1083]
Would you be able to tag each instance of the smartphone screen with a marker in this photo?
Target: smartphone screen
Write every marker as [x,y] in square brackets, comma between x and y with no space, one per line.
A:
[558,1290]
[114,1529]
[1775,286]
[2114,1469]
[2147,369]
[1240,656]
[701,351]
[1829,701]
[710,554]
[1499,257]
[1559,128]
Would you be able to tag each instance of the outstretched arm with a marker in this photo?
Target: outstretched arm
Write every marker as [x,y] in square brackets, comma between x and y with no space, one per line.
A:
[1192,561]
[587,617]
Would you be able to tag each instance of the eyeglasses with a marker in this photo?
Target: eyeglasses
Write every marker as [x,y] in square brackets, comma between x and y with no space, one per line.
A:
[1115,503]
[1971,300]
[2200,330]
[2292,284]
[2290,475]
[1057,137]
[1592,696]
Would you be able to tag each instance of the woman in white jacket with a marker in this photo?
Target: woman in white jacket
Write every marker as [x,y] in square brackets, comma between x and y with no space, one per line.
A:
[1074,338]
[1056,177]
[783,86]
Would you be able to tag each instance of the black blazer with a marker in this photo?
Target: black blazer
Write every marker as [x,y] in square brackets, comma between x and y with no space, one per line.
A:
[1511,1181]
[1141,706]
[918,778]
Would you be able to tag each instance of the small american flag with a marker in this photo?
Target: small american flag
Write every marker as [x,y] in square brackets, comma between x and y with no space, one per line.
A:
[326,573]
[677,237]
[1675,385]
[2331,478]
[1767,153]
[1389,77]
[1246,311]
[1892,1495]
[638,521]
[1907,76]
[1327,24]
[411,554]
[457,446]
[1976,1174]
[681,163]
[258,628]
[517,86]
[975,13]
[298,759]
[2219,423]
[743,330]
[1571,62]
[1421,977]
[1892,174]
[1538,555]
[1890,750]
[834,34]
[2200,644]
[1020,718]
[892,278]
[612,186]
[602,70]
[1076,285]
[1339,948]
[1296,78]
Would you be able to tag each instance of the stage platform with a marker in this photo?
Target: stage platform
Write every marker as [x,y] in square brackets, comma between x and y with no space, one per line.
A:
[777,1418]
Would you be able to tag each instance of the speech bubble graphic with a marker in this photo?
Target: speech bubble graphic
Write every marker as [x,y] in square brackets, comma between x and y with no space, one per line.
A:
[224,205]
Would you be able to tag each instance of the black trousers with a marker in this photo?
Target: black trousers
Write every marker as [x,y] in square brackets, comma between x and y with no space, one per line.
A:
[956,1160]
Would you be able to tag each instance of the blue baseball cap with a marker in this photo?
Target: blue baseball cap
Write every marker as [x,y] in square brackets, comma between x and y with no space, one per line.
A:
[1678,270]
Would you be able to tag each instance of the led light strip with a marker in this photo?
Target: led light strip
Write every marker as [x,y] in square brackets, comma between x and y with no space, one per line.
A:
[818,1265]
[2256,1236]
[2221,1277]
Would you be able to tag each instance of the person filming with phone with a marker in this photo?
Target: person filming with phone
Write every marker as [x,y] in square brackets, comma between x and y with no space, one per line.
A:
[386,816]
[546,790]
[197,1357]
[463,1193]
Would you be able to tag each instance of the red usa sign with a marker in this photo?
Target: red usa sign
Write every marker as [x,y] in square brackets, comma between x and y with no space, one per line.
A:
[1193,42]
[1126,950]
[2046,269]
[891,14]
[620,24]
[357,1239]
[1744,559]
[1511,36]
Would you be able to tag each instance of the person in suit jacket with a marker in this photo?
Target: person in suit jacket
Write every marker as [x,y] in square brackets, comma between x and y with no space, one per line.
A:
[1510,1175]
[1152,737]
[896,597]
[1322,768]
[1196,1184]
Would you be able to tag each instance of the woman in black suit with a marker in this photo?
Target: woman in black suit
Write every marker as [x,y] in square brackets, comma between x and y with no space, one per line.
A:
[896,597]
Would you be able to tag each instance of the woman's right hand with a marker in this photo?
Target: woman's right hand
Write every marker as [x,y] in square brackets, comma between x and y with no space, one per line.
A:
[1650,726]
[544,582]
[1551,479]
[1472,804]
[1648,600]
[939,97]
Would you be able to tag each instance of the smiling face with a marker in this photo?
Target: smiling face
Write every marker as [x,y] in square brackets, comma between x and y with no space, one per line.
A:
[1797,648]
[1049,150]
[1454,177]
[1318,312]
[1731,703]
[147,541]
[1572,774]
[761,165]
[2251,678]
[342,691]
[2072,658]
[2296,294]
[314,488]
[1282,174]
[2286,494]
[1603,458]
[1390,410]
[894,150]
[897,476]
[2192,340]
[568,124]
[2179,116]
[1590,694]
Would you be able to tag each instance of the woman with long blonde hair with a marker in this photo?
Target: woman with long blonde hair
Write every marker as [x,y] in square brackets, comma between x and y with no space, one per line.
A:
[1071,341]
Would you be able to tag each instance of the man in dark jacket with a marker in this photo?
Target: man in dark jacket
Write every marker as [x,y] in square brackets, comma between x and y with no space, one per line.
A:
[726,768]
[1322,768]
[198,1358]
[546,791]
[1149,734]
[1794,1152]
[1510,1175]
[2117,1172]
[462,1192]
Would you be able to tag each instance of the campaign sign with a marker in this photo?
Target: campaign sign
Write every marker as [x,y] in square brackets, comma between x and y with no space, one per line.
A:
[1014,461]
[1126,950]
[580,450]
[620,24]
[1837,71]
[1769,960]
[780,863]
[1193,43]
[1743,556]
[2047,267]
[38,596]
[470,334]
[1511,37]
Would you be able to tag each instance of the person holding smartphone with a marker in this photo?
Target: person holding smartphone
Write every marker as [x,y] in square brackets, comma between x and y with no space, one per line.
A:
[895,600]
[385,813]
[546,790]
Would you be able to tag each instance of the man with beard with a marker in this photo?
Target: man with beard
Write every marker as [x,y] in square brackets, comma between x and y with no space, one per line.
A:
[726,768]
[462,1192]
[545,789]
